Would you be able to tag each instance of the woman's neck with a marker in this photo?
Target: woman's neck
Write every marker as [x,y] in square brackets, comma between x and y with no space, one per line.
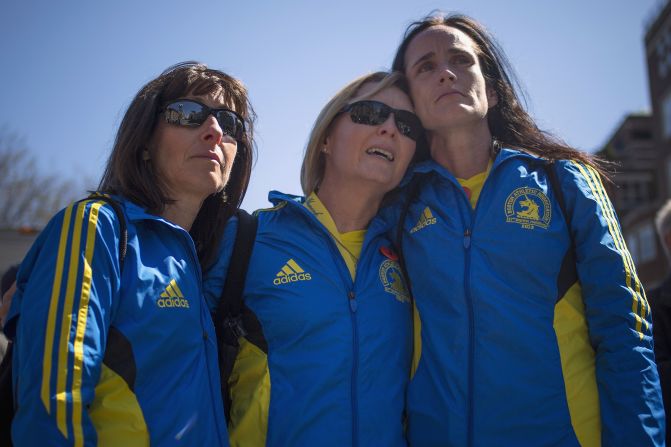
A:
[463,153]
[182,212]
[350,208]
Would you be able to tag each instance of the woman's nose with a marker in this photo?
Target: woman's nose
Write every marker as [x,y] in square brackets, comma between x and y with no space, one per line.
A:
[446,74]
[212,132]
[388,127]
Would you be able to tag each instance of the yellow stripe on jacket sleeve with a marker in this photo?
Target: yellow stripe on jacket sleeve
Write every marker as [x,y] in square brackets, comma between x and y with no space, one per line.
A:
[600,196]
[81,326]
[49,337]
[66,322]
[639,305]
[640,293]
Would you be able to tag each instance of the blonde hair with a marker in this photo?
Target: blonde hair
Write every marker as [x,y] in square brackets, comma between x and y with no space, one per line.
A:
[312,170]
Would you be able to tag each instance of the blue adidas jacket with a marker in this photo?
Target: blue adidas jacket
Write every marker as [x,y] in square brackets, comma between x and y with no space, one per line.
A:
[514,349]
[338,352]
[111,357]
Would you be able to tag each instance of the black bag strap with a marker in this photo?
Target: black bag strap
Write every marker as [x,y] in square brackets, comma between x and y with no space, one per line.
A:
[551,170]
[568,273]
[123,231]
[229,319]
[230,306]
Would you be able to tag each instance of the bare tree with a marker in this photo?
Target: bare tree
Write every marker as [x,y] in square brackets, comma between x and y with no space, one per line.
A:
[28,198]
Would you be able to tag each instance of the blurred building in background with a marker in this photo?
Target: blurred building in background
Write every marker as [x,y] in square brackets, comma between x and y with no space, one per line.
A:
[641,148]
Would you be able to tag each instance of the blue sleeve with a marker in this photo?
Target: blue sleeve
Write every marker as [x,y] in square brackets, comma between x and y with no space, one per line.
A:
[59,319]
[618,315]
[215,276]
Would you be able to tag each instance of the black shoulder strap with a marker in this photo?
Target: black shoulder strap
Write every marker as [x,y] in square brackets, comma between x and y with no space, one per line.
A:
[123,232]
[568,273]
[551,170]
[230,304]
[229,322]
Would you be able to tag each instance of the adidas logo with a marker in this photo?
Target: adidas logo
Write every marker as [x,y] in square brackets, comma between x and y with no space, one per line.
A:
[172,297]
[425,220]
[291,272]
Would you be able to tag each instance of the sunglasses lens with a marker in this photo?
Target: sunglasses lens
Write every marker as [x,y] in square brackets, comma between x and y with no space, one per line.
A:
[189,113]
[230,124]
[408,124]
[185,113]
[369,112]
[374,113]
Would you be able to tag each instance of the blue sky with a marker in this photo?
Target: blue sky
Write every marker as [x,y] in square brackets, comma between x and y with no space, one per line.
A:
[70,68]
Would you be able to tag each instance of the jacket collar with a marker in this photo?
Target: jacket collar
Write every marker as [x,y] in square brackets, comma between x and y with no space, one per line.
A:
[430,165]
[375,227]
[136,213]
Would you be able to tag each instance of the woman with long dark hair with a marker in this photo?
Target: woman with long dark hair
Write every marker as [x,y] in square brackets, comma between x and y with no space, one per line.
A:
[119,349]
[533,327]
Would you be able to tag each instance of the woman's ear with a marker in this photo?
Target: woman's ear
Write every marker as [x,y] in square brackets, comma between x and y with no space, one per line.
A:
[325,147]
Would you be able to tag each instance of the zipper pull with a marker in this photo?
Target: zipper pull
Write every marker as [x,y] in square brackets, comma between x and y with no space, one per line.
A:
[467,239]
[352,301]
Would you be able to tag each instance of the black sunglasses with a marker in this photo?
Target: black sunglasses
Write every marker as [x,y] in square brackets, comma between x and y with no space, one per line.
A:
[374,113]
[190,113]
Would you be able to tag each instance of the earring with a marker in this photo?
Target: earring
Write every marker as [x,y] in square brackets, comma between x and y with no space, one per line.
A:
[324,150]
[145,155]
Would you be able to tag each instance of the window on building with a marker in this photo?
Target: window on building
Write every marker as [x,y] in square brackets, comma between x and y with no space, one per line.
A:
[632,245]
[666,116]
[647,243]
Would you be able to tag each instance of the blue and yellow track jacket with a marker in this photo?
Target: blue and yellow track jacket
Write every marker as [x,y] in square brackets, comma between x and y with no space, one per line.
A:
[338,351]
[110,357]
[513,350]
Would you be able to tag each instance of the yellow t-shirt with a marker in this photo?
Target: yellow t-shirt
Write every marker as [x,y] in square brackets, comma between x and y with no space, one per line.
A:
[349,244]
[473,185]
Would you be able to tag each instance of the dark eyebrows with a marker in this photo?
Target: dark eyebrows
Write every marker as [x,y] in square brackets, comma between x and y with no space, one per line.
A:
[451,51]
[426,56]
[460,51]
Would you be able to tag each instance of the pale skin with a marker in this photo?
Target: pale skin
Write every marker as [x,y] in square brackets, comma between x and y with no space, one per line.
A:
[452,98]
[355,181]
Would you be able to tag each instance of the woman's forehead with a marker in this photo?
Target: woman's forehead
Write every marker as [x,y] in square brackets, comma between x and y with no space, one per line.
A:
[437,38]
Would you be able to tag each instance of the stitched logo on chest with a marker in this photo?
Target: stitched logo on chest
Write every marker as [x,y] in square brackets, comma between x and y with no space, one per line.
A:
[392,280]
[528,207]
[172,296]
[291,272]
[425,220]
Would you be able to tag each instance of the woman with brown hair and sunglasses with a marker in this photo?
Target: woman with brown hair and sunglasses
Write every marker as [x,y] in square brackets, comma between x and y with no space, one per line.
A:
[120,350]
[533,328]
[331,364]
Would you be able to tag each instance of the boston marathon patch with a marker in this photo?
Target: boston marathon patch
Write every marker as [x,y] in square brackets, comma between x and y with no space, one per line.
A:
[528,207]
[392,280]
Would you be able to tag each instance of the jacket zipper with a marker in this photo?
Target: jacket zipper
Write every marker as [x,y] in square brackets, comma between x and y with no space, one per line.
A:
[468,236]
[214,391]
[355,368]
[353,305]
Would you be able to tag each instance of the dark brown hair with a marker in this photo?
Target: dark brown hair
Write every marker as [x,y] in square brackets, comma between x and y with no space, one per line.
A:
[509,123]
[128,175]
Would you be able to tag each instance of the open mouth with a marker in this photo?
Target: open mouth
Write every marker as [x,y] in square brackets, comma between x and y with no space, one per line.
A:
[380,153]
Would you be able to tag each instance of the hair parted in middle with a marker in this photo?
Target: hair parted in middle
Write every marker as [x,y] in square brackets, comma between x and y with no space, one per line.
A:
[130,173]
[314,162]
[509,122]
